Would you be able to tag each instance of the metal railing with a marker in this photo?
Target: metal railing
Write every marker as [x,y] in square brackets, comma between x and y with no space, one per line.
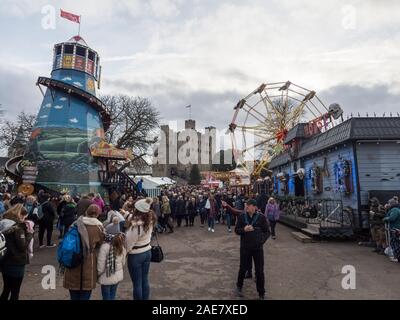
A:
[153,192]
[323,212]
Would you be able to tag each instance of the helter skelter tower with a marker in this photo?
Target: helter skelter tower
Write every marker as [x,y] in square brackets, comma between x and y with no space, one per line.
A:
[71,119]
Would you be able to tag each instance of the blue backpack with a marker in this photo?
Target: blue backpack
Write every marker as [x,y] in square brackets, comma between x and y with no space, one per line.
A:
[69,252]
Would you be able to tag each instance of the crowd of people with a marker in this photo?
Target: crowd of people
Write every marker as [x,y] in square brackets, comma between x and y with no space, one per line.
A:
[385,227]
[120,232]
[109,240]
[112,234]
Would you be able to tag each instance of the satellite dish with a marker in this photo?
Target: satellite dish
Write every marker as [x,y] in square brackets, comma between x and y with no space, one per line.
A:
[335,110]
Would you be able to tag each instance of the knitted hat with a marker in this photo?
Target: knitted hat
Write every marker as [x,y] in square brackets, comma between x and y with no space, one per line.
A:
[143,205]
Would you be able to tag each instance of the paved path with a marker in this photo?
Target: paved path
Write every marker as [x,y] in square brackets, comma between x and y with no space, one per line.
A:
[204,265]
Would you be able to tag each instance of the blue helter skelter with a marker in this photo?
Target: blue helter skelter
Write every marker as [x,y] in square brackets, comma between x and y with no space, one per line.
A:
[71,118]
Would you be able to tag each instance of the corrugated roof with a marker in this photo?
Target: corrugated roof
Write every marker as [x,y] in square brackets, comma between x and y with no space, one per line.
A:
[279,160]
[337,134]
[296,132]
[376,128]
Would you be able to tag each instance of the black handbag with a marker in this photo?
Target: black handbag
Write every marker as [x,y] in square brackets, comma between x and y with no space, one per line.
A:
[157,254]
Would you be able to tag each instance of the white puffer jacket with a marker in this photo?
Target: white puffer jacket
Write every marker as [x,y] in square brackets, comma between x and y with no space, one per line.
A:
[118,276]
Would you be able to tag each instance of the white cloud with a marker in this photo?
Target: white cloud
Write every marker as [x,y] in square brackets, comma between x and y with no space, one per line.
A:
[165,8]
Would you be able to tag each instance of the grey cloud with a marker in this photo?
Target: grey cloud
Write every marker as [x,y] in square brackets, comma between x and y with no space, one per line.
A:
[170,97]
[356,99]
[18,91]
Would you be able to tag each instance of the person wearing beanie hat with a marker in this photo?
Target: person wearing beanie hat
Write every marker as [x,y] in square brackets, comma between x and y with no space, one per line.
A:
[139,229]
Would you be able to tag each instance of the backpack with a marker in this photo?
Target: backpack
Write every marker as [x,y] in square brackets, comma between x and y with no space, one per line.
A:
[40,212]
[3,247]
[69,252]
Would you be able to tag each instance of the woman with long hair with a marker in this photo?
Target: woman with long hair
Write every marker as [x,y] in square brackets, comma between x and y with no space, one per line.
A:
[110,265]
[138,237]
[17,242]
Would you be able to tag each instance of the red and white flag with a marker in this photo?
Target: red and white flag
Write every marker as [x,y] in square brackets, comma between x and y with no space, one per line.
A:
[70,16]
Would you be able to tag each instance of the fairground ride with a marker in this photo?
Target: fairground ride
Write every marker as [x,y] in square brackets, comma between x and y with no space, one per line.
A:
[263,118]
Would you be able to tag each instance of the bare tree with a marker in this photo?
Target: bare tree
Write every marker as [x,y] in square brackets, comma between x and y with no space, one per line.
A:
[9,128]
[134,121]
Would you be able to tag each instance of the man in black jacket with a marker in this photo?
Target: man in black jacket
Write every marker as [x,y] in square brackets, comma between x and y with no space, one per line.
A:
[46,223]
[254,230]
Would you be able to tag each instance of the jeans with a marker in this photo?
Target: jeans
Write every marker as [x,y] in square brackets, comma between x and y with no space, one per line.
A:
[45,226]
[11,287]
[80,295]
[203,216]
[138,266]
[109,291]
[211,222]
[246,255]
[272,223]
[229,220]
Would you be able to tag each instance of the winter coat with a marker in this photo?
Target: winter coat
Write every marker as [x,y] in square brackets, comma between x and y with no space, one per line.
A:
[118,276]
[211,207]
[99,202]
[166,208]
[272,212]
[49,213]
[92,236]
[157,209]
[17,243]
[393,217]
[68,214]
[192,209]
[181,208]
[251,239]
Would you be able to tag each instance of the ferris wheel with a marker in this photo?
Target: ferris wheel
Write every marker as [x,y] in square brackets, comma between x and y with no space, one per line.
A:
[263,118]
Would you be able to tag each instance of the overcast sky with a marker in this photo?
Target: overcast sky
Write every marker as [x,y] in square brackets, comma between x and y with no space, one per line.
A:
[212,53]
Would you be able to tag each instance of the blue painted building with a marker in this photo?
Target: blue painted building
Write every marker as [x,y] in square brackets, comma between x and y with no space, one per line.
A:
[348,163]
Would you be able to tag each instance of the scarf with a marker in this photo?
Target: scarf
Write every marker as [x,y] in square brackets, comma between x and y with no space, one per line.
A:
[110,260]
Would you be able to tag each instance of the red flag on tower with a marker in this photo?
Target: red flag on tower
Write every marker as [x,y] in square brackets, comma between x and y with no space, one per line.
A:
[70,16]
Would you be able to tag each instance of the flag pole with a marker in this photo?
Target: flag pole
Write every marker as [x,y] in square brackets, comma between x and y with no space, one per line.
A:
[79,28]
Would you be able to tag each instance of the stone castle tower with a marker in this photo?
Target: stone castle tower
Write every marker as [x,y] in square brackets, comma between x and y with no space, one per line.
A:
[175,146]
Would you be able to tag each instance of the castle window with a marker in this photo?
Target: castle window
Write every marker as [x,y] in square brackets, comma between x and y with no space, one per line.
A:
[58,50]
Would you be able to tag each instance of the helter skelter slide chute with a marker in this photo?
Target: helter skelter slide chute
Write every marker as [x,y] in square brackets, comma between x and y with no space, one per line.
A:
[264,117]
